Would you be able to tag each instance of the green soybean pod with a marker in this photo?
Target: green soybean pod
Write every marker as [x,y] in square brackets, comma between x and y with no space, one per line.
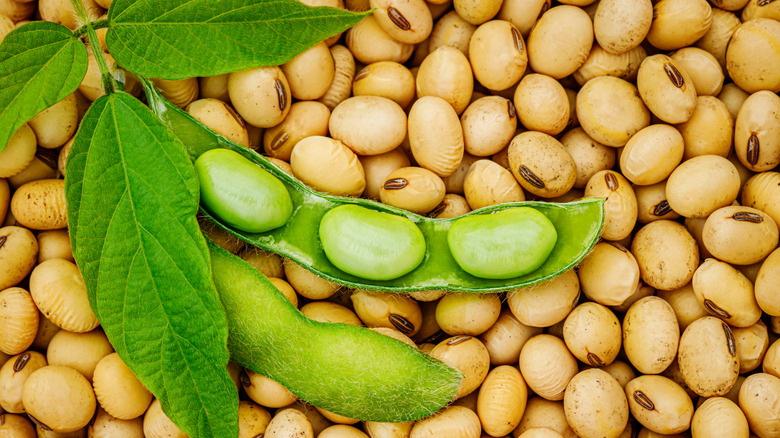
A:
[506,244]
[371,244]
[240,193]
[351,371]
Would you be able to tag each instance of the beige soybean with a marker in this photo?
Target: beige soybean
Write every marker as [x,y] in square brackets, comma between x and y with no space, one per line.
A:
[460,313]
[446,73]
[641,291]
[621,25]
[19,151]
[652,154]
[546,303]
[214,87]
[17,10]
[717,38]
[489,123]
[413,188]
[757,399]
[106,426]
[740,235]
[18,320]
[5,198]
[620,207]
[261,95]
[620,371]
[158,425]
[453,421]
[695,226]
[454,182]
[541,164]
[726,293]
[666,253]
[762,191]
[377,167]
[703,68]
[701,185]
[342,431]
[679,23]
[766,291]
[708,357]
[452,30]
[610,110]
[719,417]
[477,12]
[326,311]
[650,335]
[59,398]
[659,404]
[252,419]
[63,12]
[666,88]
[41,167]
[557,50]
[652,204]
[408,21]
[753,55]
[13,374]
[709,130]
[602,63]
[57,123]
[523,14]
[501,400]
[384,309]
[385,79]
[308,284]
[118,390]
[468,355]
[60,293]
[685,305]
[264,391]
[80,351]
[220,118]
[305,119]
[341,86]
[435,135]
[595,405]
[91,85]
[771,362]
[752,343]
[506,338]
[316,419]
[544,413]
[369,125]
[540,432]
[757,131]
[54,244]
[609,274]
[589,155]
[180,92]
[487,183]
[592,333]
[268,263]
[16,426]
[310,73]
[369,43]
[542,104]
[18,254]
[759,9]
[328,165]
[497,54]
[547,366]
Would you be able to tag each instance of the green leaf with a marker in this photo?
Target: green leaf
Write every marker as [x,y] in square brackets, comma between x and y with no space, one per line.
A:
[132,198]
[41,63]
[174,39]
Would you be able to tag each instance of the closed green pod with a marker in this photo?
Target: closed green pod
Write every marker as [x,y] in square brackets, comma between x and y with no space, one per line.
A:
[371,244]
[501,245]
[241,193]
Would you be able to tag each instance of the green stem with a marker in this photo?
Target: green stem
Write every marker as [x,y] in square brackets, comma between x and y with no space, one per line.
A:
[109,83]
[97,24]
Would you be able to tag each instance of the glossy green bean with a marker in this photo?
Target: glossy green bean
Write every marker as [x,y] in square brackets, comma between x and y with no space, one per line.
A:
[349,370]
[577,224]
[242,194]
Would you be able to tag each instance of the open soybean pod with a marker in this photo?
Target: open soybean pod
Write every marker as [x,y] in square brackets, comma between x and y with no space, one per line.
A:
[349,370]
[476,252]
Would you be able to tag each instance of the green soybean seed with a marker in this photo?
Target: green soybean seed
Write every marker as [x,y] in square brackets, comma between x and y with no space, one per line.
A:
[240,193]
[371,244]
[502,245]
